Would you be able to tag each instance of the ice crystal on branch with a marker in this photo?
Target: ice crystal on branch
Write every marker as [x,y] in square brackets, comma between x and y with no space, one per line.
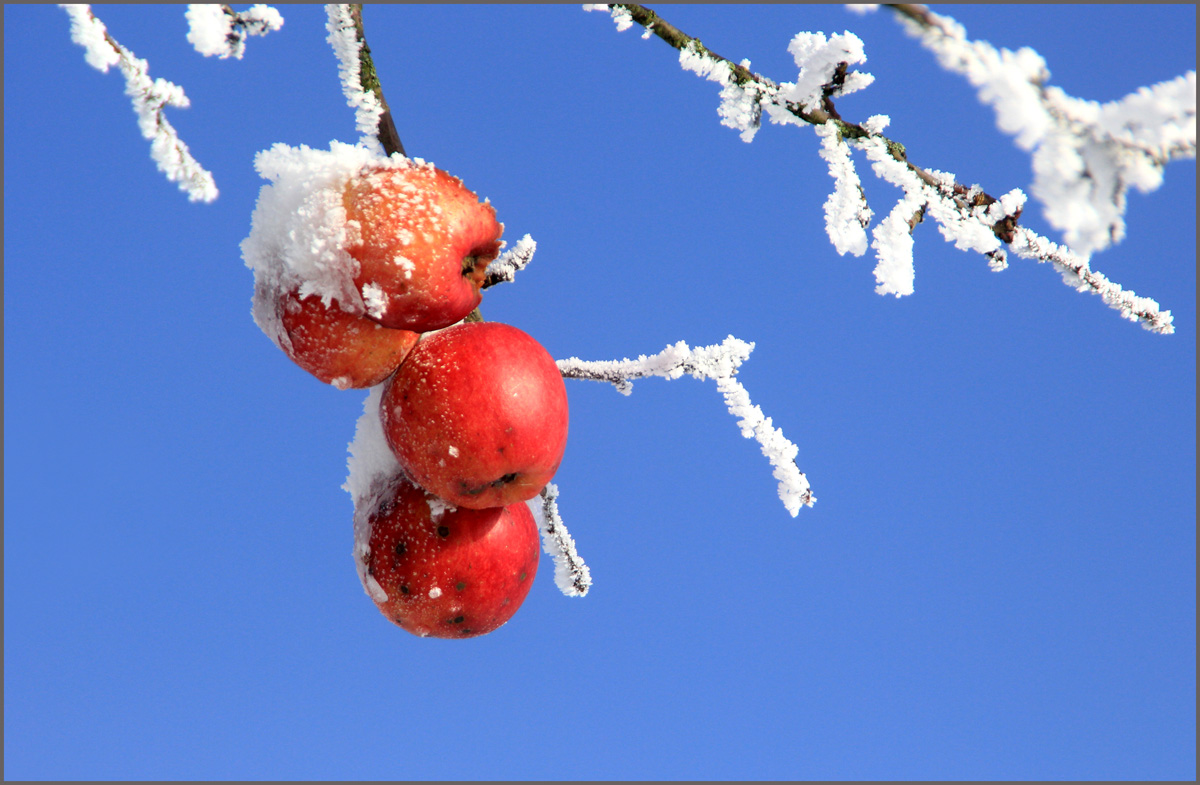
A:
[893,244]
[819,59]
[720,363]
[505,267]
[740,107]
[1077,273]
[846,212]
[571,575]
[219,31]
[343,37]
[620,15]
[1086,155]
[168,151]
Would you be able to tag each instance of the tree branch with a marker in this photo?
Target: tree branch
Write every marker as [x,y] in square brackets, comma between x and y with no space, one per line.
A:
[387,134]
[770,90]
[966,201]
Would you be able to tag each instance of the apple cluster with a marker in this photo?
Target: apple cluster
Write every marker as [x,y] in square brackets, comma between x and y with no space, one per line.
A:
[474,413]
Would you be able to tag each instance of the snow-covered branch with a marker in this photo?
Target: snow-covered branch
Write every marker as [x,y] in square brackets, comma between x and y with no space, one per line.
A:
[219,31]
[720,363]
[504,268]
[966,215]
[359,82]
[571,575]
[168,151]
[1086,155]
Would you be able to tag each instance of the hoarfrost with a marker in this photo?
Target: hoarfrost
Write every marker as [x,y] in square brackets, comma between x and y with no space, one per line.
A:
[893,246]
[299,231]
[571,575]
[741,105]
[505,267]
[372,469]
[167,150]
[718,362]
[346,45]
[620,15]
[818,59]
[846,212]
[1086,155]
[218,30]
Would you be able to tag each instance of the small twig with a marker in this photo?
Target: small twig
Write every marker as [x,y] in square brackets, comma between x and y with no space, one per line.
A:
[571,575]
[720,363]
[505,268]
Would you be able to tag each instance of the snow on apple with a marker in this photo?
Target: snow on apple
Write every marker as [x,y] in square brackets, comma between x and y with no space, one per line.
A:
[343,237]
[337,346]
[422,244]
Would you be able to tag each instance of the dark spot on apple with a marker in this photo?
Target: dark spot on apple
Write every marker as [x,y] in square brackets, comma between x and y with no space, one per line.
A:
[505,480]
[523,574]
[443,532]
[404,590]
[460,585]
[401,548]
[457,620]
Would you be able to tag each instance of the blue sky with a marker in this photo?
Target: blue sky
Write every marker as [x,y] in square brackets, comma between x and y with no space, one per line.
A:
[997,580]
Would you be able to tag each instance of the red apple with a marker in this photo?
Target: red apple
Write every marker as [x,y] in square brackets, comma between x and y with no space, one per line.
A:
[477,414]
[338,347]
[422,241]
[458,574]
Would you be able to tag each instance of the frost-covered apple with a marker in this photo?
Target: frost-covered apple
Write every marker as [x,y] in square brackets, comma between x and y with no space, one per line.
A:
[422,241]
[339,347]
[453,573]
[477,414]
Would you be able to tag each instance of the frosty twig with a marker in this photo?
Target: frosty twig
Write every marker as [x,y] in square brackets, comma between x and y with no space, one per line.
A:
[168,151]
[219,31]
[571,575]
[720,363]
[1086,155]
[504,268]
